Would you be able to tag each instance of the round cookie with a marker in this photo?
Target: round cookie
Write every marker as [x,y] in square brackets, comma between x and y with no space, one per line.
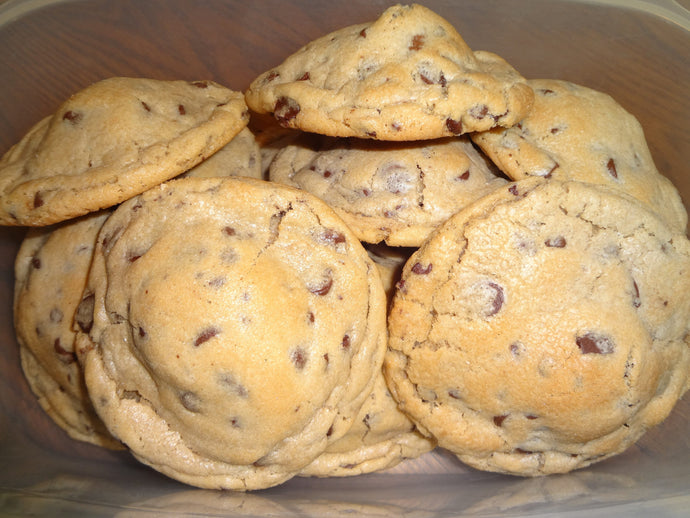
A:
[406,76]
[239,157]
[577,133]
[50,271]
[397,192]
[380,438]
[231,357]
[112,140]
[543,328]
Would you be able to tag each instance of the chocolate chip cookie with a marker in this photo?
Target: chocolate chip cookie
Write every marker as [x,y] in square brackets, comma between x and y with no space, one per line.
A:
[50,271]
[231,329]
[575,132]
[397,192]
[544,328]
[408,75]
[111,141]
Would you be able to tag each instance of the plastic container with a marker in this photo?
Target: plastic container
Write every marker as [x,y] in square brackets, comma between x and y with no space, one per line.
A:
[637,51]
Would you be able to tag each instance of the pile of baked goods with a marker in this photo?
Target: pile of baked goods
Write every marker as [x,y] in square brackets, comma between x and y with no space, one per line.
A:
[389,243]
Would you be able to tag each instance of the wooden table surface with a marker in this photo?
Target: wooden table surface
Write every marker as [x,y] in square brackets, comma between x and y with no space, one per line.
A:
[46,54]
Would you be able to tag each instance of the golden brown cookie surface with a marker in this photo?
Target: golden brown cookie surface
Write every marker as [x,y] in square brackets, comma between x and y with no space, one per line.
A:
[51,269]
[542,329]
[397,192]
[113,140]
[237,326]
[577,133]
[407,76]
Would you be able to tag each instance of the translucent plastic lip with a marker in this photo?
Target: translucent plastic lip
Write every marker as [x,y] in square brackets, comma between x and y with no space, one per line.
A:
[670,10]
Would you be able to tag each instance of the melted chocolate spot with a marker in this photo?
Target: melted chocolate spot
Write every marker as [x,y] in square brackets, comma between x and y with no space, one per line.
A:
[73,117]
[285,110]
[422,270]
[56,315]
[455,127]
[555,242]
[65,355]
[417,42]
[206,335]
[190,401]
[611,168]
[498,419]
[636,295]
[299,357]
[595,343]
[497,302]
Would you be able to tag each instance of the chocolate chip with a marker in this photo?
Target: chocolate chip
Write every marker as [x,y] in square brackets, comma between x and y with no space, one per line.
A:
[454,126]
[36,263]
[417,42]
[84,314]
[346,342]
[455,394]
[228,231]
[285,110]
[228,381]
[516,349]
[56,315]
[636,295]
[479,111]
[555,242]
[73,117]
[513,190]
[146,106]
[271,76]
[304,77]
[332,237]
[498,299]
[64,355]
[38,200]
[595,343]
[206,335]
[363,33]
[419,269]
[190,401]
[464,176]
[299,357]
[324,286]
[498,419]
[181,109]
[611,168]
[545,91]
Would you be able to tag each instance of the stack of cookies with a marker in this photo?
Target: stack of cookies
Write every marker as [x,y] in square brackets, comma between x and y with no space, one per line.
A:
[426,249]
